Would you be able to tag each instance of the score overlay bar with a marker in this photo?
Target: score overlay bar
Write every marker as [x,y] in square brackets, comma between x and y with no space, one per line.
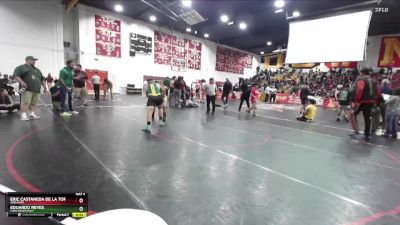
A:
[22,204]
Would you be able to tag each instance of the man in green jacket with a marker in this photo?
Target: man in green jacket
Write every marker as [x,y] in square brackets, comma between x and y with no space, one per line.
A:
[31,79]
[66,84]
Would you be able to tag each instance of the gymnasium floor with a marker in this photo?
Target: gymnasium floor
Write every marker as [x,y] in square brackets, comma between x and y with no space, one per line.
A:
[229,168]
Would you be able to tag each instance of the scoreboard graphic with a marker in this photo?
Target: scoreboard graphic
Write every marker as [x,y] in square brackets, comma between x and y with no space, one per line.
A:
[19,204]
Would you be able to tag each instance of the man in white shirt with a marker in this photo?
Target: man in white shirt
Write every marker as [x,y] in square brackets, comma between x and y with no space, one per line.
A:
[272,93]
[96,86]
[211,90]
[266,91]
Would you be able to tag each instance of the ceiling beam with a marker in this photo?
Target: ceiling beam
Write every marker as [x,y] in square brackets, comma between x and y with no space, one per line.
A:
[160,11]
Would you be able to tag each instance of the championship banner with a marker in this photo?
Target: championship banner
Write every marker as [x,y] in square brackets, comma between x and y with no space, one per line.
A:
[177,52]
[108,36]
[342,65]
[389,55]
[232,61]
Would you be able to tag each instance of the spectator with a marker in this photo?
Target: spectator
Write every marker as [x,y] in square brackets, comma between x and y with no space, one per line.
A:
[30,79]
[266,91]
[183,92]
[177,92]
[226,90]
[56,96]
[80,78]
[49,80]
[210,90]
[272,93]
[367,94]
[167,86]
[107,86]
[392,114]
[96,86]
[66,86]
[6,102]
[171,90]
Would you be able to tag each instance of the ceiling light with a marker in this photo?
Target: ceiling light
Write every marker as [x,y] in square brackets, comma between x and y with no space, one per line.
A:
[153,18]
[188,29]
[279,11]
[279,3]
[195,32]
[206,35]
[269,43]
[230,23]
[118,8]
[242,26]
[224,18]
[262,53]
[296,14]
[187,3]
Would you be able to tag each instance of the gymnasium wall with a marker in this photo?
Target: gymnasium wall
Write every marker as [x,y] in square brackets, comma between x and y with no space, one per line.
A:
[129,69]
[31,27]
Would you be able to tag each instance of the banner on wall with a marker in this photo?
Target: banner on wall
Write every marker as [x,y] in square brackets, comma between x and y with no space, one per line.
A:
[389,54]
[232,61]
[342,65]
[177,52]
[108,36]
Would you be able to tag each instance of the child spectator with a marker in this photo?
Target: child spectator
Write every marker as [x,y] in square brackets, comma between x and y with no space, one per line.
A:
[255,95]
[310,111]
[56,96]
[344,103]
[392,114]
[6,102]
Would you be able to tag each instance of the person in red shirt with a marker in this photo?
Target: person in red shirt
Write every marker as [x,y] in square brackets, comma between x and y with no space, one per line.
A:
[367,94]
[255,95]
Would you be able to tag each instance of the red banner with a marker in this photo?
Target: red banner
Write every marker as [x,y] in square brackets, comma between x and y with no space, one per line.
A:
[178,52]
[282,98]
[342,65]
[389,55]
[232,61]
[102,74]
[108,36]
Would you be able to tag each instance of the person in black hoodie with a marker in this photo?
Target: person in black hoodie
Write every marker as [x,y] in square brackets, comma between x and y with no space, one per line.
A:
[226,90]
[246,90]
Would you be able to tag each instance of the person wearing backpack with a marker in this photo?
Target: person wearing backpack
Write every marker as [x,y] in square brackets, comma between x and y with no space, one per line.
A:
[344,103]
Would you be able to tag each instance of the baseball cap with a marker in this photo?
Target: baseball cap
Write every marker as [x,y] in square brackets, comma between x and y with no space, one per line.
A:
[30,58]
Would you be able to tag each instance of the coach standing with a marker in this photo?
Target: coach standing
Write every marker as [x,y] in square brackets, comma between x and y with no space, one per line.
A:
[367,95]
[66,86]
[31,79]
